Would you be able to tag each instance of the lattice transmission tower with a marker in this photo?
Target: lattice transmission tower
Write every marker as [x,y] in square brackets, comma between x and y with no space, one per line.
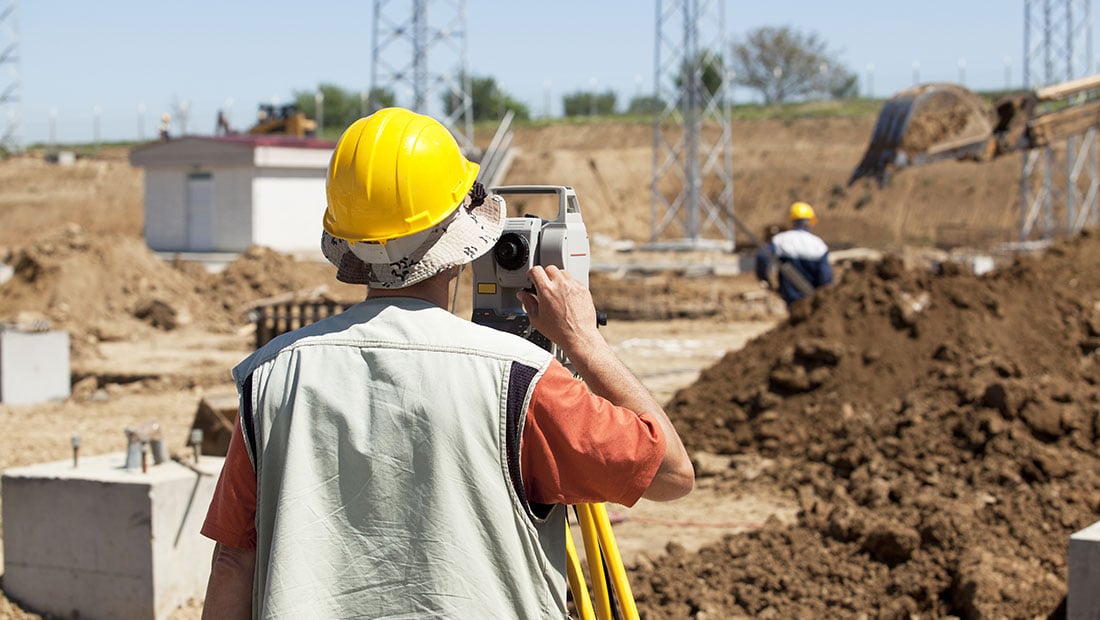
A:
[692,185]
[419,52]
[1058,184]
[11,85]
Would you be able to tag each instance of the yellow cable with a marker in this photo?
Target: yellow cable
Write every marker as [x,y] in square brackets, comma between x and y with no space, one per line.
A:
[614,562]
[595,561]
[576,578]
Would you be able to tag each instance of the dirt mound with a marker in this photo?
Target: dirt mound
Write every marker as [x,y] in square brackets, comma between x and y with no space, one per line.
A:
[939,431]
[260,273]
[113,287]
[104,286]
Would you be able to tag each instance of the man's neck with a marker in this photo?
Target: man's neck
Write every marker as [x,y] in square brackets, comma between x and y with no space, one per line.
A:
[434,290]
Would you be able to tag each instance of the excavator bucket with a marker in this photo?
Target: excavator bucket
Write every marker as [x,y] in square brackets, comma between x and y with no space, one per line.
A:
[928,123]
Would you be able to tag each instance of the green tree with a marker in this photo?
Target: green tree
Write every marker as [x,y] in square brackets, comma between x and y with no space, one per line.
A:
[709,66]
[843,84]
[489,101]
[589,103]
[784,64]
[376,99]
[645,104]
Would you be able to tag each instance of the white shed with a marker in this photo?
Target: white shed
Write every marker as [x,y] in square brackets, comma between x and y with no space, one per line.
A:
[221,194]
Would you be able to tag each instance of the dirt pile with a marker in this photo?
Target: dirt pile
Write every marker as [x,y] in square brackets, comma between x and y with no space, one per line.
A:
[260,273]
[939,431]
[112,287]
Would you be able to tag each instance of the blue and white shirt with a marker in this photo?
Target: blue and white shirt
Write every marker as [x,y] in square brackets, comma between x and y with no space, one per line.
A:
[806,252]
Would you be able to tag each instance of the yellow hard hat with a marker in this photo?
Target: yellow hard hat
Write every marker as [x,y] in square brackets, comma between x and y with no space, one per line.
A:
[394,173]
[803,211]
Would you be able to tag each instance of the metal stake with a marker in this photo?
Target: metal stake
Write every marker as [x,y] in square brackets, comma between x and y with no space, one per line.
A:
[196,443]
[75,441]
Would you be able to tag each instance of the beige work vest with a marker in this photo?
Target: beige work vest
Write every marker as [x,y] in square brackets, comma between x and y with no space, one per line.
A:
[386,447]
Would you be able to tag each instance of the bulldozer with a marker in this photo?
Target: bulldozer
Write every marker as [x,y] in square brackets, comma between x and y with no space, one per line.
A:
[283,120]
[942,121]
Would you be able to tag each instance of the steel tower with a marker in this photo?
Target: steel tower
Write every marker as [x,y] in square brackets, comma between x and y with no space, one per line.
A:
[692,185]
[420,54]
[11,85]
[1058,185]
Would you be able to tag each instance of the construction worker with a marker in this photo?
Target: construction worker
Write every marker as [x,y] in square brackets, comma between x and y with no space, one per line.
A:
[396,460]
[799,248]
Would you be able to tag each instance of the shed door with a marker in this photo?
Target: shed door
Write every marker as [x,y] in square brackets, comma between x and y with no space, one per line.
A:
[200,212]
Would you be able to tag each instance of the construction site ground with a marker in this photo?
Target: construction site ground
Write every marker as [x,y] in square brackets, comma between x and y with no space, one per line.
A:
[918,441]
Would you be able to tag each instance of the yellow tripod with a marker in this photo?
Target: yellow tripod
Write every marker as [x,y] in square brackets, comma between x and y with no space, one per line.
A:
[603,557]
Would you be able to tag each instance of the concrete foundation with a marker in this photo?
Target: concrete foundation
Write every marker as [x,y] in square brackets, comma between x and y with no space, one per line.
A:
[101,541]
[1084,574]
[34,366]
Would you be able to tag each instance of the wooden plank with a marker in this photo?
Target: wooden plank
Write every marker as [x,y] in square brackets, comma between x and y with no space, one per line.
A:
[1057,91]
[1053,126]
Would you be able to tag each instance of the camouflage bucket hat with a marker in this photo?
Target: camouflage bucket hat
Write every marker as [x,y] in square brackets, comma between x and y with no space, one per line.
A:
[470,231]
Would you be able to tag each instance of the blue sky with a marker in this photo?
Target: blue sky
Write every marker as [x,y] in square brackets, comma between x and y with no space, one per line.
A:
[83,60]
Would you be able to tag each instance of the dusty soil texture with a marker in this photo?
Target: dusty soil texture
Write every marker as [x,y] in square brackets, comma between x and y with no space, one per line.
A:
[938,431]
[909,444]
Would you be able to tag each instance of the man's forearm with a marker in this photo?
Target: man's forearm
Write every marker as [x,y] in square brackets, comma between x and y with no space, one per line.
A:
[607,376]
[229,592]
[563,311]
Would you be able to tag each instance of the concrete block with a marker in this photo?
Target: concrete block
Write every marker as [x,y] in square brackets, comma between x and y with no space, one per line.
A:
[1084,574]
[102,541]
[34,366]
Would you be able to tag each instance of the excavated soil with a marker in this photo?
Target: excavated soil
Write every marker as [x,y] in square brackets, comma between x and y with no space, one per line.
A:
[939,432]
[944,113]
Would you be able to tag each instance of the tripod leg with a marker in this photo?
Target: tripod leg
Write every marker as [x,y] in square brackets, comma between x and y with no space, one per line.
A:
[614,561]
[595,561]
[576,579]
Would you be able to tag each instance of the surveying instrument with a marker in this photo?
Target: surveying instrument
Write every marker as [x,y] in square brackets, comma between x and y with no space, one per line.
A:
[498,275]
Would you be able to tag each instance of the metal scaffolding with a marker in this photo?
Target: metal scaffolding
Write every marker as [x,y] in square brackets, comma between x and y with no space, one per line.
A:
[11,85]
[691,129]
[424,57]
[1058,184]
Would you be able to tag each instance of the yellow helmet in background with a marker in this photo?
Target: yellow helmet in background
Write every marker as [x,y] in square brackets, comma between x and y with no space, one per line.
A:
[394,173]
[803,211]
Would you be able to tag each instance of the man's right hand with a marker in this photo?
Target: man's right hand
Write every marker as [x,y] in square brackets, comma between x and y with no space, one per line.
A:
[561,308]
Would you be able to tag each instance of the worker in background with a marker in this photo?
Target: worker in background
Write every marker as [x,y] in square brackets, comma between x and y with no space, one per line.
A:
[799,248]
[396,460]
[164,127]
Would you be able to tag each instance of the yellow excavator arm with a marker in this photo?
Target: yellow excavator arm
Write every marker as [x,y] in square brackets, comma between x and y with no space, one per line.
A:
[933,122]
